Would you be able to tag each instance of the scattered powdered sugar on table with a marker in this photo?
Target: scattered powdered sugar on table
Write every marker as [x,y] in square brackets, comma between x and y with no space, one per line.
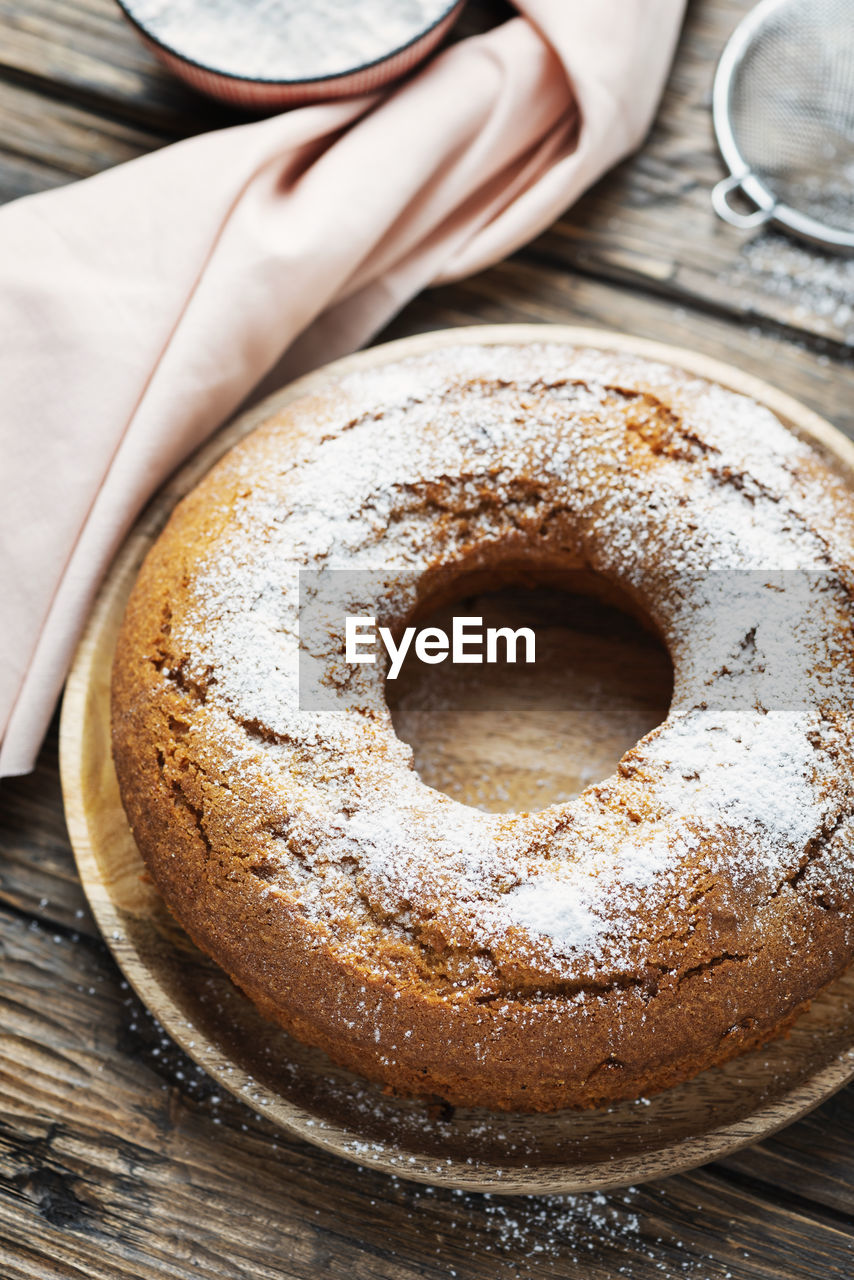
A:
[522,1234]
[286,39]
[732,788]
[818,287]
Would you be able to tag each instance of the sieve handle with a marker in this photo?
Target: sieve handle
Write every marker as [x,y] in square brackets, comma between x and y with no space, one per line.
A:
[721,193]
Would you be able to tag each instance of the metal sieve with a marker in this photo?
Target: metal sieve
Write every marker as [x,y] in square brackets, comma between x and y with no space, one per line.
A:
[784,117]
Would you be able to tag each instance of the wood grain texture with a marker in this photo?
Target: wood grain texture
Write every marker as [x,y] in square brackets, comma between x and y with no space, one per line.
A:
[650,223]
[52,142]
[115,1159]
[36,878]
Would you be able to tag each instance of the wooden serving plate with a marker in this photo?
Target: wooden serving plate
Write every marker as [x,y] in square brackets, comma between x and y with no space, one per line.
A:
[299,1088]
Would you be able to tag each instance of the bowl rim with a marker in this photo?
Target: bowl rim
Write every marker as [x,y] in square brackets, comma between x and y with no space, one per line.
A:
[296,82]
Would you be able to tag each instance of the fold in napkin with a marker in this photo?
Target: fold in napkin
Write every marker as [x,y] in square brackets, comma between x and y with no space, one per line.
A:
[140,307]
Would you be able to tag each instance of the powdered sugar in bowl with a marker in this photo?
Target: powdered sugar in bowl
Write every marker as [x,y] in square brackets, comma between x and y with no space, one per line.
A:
[265,54]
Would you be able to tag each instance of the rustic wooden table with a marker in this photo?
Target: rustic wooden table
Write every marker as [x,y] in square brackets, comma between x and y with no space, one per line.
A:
[118,1158]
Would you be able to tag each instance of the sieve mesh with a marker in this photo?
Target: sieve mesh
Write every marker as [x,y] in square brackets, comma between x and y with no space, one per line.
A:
[790,107]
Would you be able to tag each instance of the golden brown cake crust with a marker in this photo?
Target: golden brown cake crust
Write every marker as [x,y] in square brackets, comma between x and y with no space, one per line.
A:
[671,916]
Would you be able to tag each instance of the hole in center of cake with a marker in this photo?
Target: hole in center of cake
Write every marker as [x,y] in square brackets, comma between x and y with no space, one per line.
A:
[513,737]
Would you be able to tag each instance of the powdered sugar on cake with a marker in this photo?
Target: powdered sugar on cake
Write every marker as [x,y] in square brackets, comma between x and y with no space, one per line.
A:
[531,453]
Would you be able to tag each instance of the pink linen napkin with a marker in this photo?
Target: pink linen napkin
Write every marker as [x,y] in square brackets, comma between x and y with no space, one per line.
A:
[140,307]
